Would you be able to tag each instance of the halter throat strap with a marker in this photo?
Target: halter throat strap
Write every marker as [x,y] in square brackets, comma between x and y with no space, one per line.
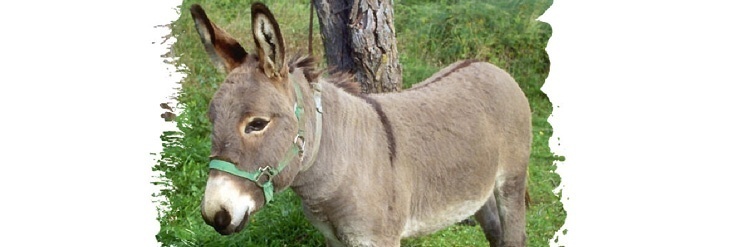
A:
[297,148]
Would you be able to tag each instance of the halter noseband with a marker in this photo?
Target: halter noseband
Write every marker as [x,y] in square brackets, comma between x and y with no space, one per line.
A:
[295,150]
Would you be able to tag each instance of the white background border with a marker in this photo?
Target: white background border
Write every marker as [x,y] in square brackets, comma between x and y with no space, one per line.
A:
[642,113]
[642,108]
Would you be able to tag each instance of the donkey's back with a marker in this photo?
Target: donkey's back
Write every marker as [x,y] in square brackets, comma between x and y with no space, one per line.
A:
[462,136]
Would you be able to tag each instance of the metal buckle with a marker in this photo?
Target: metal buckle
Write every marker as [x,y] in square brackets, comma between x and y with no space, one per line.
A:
[267,170]
[317,97]
[302,146]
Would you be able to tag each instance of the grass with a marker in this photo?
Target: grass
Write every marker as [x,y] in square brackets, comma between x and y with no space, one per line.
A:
[431,35]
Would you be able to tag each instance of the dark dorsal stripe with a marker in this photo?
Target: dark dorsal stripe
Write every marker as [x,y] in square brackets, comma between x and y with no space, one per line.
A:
[462,65]
[385,124]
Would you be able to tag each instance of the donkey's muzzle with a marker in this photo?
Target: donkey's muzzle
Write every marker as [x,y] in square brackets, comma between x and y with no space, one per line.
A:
[228,202]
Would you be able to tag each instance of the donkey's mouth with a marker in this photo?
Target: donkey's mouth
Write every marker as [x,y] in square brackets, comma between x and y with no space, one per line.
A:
[234,228]
[243,223]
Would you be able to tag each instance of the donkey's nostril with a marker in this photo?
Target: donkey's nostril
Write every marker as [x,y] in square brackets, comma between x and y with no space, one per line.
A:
[222,220]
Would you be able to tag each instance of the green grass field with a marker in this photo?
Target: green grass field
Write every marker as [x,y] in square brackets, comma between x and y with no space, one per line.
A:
[431,34]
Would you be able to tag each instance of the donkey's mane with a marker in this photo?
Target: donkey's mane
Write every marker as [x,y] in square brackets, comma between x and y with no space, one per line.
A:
[343,80]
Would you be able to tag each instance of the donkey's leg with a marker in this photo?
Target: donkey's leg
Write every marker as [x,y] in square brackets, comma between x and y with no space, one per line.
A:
[489,219]
[325,228]
[390,242]
[333,243]
[510,195]
[371,240]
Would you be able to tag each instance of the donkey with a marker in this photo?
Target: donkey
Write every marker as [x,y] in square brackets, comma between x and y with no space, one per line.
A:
[369,169]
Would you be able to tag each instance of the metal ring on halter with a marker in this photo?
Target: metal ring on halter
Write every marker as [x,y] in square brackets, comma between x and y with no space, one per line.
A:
[268,171]
[302,146]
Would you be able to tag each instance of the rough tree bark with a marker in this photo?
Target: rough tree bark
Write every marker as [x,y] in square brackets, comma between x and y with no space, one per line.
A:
[359,36]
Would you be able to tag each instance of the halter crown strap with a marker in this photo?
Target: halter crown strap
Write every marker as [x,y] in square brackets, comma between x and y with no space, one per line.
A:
[295,150]
[317,136]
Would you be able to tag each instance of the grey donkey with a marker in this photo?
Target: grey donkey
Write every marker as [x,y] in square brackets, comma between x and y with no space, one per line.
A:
[369,169]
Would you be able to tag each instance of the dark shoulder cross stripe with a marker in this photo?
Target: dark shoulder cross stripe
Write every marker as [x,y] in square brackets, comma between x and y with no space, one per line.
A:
[385,124]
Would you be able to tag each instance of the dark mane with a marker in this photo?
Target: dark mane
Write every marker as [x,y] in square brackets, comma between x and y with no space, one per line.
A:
[343,80]
[307,64]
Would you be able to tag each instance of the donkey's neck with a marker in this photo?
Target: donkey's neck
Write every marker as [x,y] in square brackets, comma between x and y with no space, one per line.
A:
[354,142]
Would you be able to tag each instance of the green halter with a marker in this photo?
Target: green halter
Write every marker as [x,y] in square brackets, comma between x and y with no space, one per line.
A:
[295,150]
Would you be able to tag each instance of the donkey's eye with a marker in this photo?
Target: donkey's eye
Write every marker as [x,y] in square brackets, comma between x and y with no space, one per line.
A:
[257,124]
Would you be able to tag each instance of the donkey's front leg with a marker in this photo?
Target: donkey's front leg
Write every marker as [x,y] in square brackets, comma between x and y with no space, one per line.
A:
[339,238]
[324,227]
[374,241]
[354,237]
[333,243]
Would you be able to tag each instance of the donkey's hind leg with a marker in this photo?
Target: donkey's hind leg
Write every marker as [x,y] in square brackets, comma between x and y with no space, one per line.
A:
[489,219]
[510,193]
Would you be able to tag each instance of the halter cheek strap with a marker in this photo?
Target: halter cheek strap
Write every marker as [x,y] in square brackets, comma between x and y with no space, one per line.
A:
[295,150]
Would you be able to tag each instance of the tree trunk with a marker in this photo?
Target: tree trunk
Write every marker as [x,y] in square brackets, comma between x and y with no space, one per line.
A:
[359,36]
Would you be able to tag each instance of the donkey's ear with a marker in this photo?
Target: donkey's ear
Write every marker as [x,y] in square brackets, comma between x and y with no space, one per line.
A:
[269,41]
[224,51]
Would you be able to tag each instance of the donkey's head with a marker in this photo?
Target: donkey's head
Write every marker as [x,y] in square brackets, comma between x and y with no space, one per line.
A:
[256,137]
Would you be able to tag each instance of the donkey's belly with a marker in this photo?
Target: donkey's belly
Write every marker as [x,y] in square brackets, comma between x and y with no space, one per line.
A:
[428,223]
